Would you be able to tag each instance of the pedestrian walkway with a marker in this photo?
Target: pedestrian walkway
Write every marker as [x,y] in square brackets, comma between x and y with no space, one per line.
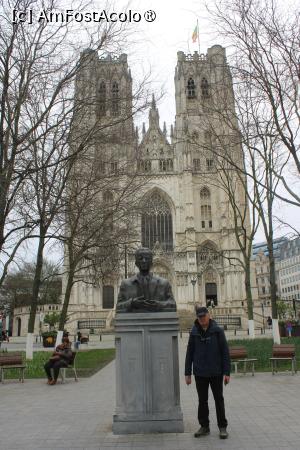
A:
[263,413]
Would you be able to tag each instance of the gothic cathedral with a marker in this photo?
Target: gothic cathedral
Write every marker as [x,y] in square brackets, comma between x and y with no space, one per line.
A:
[185,216]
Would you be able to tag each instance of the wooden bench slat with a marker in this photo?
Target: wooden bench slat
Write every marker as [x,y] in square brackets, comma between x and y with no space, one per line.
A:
[238,354]
[17,366]
[283,352]
[10,362]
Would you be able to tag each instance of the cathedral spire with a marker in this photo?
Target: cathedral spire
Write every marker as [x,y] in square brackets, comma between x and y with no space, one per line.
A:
[153,103]
[153,114]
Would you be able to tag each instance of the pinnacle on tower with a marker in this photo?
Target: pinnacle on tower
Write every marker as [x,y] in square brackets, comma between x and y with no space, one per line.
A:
[153,114]
[165,129]
[153,103]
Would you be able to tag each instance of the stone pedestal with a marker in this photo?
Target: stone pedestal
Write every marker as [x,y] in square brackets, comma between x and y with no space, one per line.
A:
[147,374]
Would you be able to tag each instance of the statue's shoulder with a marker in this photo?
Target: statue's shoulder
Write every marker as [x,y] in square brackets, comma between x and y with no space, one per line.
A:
[128,281]
[160,280]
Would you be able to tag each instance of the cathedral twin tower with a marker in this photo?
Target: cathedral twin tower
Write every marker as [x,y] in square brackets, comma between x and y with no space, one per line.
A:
[185,216]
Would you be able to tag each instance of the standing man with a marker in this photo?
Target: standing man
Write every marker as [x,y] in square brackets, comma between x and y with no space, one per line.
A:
[208,353]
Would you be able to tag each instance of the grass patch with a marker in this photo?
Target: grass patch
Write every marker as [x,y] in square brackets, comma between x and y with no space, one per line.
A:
[88,362]
[261,348]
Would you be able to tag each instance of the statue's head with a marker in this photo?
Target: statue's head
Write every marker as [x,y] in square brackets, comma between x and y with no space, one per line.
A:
[143,259]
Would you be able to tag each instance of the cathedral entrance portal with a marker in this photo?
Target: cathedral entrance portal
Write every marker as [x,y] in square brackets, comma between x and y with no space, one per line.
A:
[211,294]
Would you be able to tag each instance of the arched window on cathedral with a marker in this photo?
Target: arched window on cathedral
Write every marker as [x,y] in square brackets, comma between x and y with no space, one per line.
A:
[205,199]
[144,165]
[204,88]
[191,88]
[115,106]
[156,222]
[102,99]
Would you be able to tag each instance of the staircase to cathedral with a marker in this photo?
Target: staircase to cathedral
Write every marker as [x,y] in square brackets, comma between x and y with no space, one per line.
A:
[232,318]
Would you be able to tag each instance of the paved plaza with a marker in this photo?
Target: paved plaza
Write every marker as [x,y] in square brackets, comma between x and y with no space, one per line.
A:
[263,413]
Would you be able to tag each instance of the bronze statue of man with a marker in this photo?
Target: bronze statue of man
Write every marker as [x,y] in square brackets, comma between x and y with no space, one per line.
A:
[145,292]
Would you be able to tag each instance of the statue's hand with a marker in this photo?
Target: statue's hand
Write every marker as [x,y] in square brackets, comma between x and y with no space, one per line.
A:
[151,304]
[138,302]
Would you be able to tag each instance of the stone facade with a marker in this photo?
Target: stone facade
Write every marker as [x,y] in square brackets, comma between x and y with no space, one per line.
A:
[185,217]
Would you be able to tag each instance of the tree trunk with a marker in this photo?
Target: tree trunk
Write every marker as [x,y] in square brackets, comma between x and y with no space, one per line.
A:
[275,326]
[64,310]
[249,298]
[35,294]
[3,193]
[272,280]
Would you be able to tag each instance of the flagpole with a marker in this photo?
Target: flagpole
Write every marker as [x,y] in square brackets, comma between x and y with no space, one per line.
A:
[198,36]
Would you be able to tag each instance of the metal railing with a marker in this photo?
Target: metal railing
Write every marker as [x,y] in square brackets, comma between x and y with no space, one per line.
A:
[232,321]
[91,323]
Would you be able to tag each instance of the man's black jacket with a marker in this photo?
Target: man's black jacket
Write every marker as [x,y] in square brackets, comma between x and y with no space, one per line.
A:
[207,351]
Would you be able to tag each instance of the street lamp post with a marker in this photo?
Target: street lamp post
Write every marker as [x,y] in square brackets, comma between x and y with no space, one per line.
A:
[125,260]
[193,281]
[294,308]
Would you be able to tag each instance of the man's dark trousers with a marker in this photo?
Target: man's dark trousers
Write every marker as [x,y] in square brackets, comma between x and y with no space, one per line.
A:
[216,384]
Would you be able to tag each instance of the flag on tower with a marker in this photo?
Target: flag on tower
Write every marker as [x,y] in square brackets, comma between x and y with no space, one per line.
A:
[195,34]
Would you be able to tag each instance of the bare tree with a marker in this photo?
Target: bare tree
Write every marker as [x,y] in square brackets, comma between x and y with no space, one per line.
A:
[261,158]
[266,53]
[265,66]
[38,64]
[98,222]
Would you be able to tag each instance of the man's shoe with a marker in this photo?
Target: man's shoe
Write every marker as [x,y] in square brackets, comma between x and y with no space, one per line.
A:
[223,433]
[203,431]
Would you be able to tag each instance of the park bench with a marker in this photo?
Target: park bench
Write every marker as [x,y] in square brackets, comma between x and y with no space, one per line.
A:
[11,361]
[84,339]
[71,365]
[239,355]
[283,352]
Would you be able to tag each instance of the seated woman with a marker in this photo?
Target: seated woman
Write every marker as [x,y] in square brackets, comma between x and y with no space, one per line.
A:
[60,358]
